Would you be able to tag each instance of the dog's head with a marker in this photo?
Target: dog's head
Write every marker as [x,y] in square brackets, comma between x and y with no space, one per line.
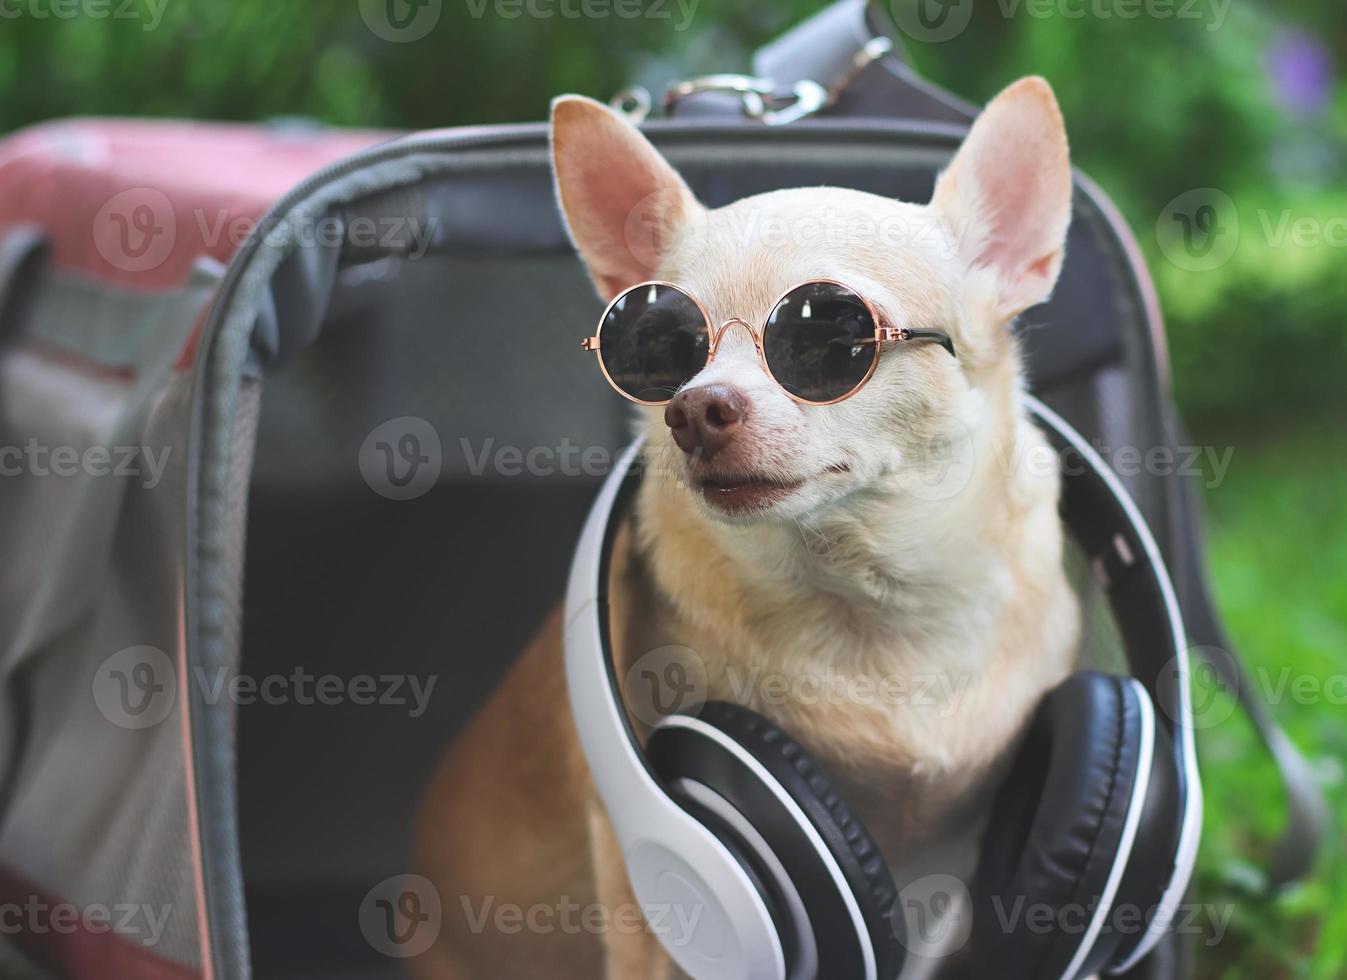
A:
[987,246]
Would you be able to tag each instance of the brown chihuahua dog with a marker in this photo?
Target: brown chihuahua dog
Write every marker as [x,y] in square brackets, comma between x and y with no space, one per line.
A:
[902,629]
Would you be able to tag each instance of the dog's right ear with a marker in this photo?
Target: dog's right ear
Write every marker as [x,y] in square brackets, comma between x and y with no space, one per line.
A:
[622,202]
[1007,195]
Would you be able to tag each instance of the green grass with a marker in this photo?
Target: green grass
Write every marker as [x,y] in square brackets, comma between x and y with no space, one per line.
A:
[1278,550]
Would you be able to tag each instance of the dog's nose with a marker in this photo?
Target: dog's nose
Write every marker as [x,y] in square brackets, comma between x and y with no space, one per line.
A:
[706,418]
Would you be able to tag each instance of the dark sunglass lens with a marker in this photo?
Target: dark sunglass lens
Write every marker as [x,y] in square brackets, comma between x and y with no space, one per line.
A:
[820,342]
[653,340]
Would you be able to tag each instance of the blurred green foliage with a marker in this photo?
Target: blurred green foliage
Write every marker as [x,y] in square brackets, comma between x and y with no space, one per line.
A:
[1277,534]
[1244,97]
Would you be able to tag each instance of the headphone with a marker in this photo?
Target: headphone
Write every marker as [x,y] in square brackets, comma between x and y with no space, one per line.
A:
[755,867]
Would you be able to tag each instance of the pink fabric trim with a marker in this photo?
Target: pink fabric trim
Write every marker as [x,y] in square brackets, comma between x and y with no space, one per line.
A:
[136,202]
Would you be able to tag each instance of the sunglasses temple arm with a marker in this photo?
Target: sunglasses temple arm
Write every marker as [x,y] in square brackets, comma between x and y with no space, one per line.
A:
[939,336]
[907,333]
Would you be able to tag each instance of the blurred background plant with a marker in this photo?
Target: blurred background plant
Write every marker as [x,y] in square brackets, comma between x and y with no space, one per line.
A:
[1241,102]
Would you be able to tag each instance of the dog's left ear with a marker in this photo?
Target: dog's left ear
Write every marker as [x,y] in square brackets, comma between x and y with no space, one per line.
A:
[1007,194]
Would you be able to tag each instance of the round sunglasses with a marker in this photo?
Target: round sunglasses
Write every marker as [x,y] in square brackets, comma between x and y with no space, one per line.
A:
[820,342]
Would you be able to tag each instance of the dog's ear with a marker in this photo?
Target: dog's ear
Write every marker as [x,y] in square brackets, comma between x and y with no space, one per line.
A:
[1007,194]
[622,202]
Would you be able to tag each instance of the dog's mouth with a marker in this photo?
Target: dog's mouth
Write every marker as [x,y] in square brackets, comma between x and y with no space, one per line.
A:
[745,494]
[740,494]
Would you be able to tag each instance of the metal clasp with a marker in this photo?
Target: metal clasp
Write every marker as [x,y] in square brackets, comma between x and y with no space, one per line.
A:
[763,99]
[752,91]
[758,97]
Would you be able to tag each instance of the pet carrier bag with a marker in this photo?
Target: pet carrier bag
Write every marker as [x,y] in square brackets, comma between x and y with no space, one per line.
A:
[264,466]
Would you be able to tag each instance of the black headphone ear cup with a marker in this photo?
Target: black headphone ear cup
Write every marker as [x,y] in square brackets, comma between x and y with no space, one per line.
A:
[1055,829]
[681,751]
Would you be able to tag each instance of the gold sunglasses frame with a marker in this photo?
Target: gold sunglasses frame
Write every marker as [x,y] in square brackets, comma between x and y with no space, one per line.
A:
[885,333]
